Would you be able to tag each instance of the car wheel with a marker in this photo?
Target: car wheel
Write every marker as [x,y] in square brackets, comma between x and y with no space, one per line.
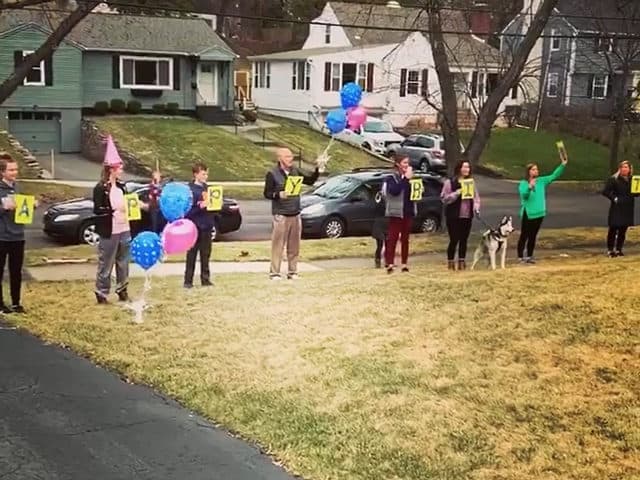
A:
[424,166]
[88,234]
[428,225]
[333,227]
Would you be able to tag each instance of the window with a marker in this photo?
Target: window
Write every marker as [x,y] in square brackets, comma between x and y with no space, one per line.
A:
[552,85]
[150,73]
[327,34]
[555,41]
[336,78]
[413,82]
[362,76]
[604,44]
[301,79]
[341,73]
[262,75]
[425,142]
[36,74]
[599,86]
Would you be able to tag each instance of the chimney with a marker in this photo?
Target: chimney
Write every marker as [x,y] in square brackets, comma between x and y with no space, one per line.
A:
[480,24]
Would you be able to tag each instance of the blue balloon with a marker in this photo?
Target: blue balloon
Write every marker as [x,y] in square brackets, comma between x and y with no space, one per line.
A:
[176,200]
[336,121]
[146,249]
[350,95]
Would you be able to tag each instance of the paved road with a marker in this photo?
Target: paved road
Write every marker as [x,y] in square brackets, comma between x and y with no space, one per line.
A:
[65,419]
[566,209]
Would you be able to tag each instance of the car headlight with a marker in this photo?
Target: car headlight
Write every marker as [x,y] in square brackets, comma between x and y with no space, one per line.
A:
[66,217]
[316,209]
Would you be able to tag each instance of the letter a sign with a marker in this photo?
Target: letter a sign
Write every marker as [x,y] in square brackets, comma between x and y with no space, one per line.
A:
[25,205]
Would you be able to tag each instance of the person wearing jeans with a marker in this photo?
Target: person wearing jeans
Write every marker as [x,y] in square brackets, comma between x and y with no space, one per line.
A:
[114,230]
[205,221]
[11,235]
[533,207]
[459,214]
[400,211]
[285,208]
[621,212]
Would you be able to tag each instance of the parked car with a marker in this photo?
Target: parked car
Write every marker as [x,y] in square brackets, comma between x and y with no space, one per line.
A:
[375,135]
[345,205]
[74,222]
[425,151]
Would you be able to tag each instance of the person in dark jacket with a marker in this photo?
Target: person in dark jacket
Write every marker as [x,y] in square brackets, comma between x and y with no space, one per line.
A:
[282,186]
[400,211]
[114,230]
[205,221]
[621,215]
[380,228]
[459,213]
[11,234]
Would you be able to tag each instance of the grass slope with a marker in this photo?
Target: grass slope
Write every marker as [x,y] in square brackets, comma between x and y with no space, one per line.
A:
[177,143]
[524,374]
[5,146]
[510,150]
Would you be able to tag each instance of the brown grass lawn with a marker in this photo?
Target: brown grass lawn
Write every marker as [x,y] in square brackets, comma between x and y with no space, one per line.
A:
[524,374]
[326,249]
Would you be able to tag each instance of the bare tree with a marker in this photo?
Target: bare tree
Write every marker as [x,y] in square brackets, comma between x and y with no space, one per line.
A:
[505,82]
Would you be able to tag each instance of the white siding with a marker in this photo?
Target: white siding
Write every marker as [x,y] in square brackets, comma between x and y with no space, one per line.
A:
[317,33]
[280,98]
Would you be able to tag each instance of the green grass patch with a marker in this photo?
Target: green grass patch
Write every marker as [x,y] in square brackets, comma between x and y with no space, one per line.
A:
[178,143]
[52,192]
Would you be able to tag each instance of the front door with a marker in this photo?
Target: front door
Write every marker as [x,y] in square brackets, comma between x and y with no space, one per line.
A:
[207,83]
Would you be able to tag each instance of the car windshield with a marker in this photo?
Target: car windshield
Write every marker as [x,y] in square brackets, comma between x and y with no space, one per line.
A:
[337,187]
[378,127]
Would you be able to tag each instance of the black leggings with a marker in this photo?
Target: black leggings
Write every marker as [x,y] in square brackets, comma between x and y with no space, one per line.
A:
[616,238]
[15,252]
[459,230]
[528,235]
[379,245]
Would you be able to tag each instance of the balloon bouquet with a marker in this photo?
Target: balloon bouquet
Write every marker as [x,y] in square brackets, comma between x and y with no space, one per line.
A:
[352,115]
[178,236]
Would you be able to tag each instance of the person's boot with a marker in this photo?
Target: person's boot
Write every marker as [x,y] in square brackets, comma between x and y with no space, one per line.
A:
[462,265]
[123,296]
[378,263]
[100,299]
[451,265]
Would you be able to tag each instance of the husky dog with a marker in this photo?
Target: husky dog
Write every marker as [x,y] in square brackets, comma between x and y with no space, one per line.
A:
[494,241]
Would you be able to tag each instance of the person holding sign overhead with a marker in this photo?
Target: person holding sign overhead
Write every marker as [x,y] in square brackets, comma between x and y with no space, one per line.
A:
[15,212]
[460,197]
[401,192]
[115,210]
[533,204]
[620,189]
[283,185]
[203,215]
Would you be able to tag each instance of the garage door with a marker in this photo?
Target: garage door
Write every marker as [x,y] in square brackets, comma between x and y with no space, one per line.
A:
[38,131]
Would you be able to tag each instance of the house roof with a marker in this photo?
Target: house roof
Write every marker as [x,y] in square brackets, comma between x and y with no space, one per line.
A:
[306,53]
[99,31]
[609,16]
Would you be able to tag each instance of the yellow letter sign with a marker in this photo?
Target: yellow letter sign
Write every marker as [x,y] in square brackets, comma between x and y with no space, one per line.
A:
[25,205]
[417,189]
[214,198]
[468,189]
[132,206]
[293,185]
[635,184]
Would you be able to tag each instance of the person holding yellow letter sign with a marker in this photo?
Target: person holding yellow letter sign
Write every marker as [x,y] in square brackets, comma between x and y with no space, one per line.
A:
[15,211]
[620,191]
[283,185]
[460,197]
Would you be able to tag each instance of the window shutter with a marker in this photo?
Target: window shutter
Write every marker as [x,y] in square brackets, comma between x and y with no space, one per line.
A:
[176,73]
[115,71]
[425,83]
[327,77]
[403,82]
[17,57]
[48,70]
[514,92]
[370,77]
[474,84]
[590,88]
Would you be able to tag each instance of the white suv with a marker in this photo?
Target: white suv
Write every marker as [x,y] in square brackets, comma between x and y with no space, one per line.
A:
[375,135]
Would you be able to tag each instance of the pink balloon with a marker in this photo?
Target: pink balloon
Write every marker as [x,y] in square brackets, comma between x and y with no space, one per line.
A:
[179,236]
[356,117]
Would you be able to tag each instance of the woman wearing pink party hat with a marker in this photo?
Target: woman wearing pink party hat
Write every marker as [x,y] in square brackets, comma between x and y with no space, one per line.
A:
[112,226]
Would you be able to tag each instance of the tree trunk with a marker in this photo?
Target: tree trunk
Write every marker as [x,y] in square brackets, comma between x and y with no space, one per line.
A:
[449,113]
[47,48]
[620,105]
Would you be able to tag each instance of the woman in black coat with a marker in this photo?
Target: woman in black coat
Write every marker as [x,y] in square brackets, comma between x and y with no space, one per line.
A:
[618,191]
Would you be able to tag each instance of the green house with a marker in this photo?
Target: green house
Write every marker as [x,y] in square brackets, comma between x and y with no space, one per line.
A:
[154,60]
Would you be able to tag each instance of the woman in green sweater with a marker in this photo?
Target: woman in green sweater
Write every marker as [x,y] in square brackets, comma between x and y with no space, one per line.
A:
[533,206]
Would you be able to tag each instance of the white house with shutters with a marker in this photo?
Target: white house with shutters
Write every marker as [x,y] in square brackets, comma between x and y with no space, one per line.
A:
[394,68]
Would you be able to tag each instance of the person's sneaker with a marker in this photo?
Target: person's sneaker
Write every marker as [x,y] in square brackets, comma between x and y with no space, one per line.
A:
[405,270]
[123,296]
[5,309]
[612,254]
[378,263]
[523,261]
[531,261]
[206,283]
[18,309]
[390,269]
[188,285]
[293,276]
[619,254]
[100,299]
[275,278]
